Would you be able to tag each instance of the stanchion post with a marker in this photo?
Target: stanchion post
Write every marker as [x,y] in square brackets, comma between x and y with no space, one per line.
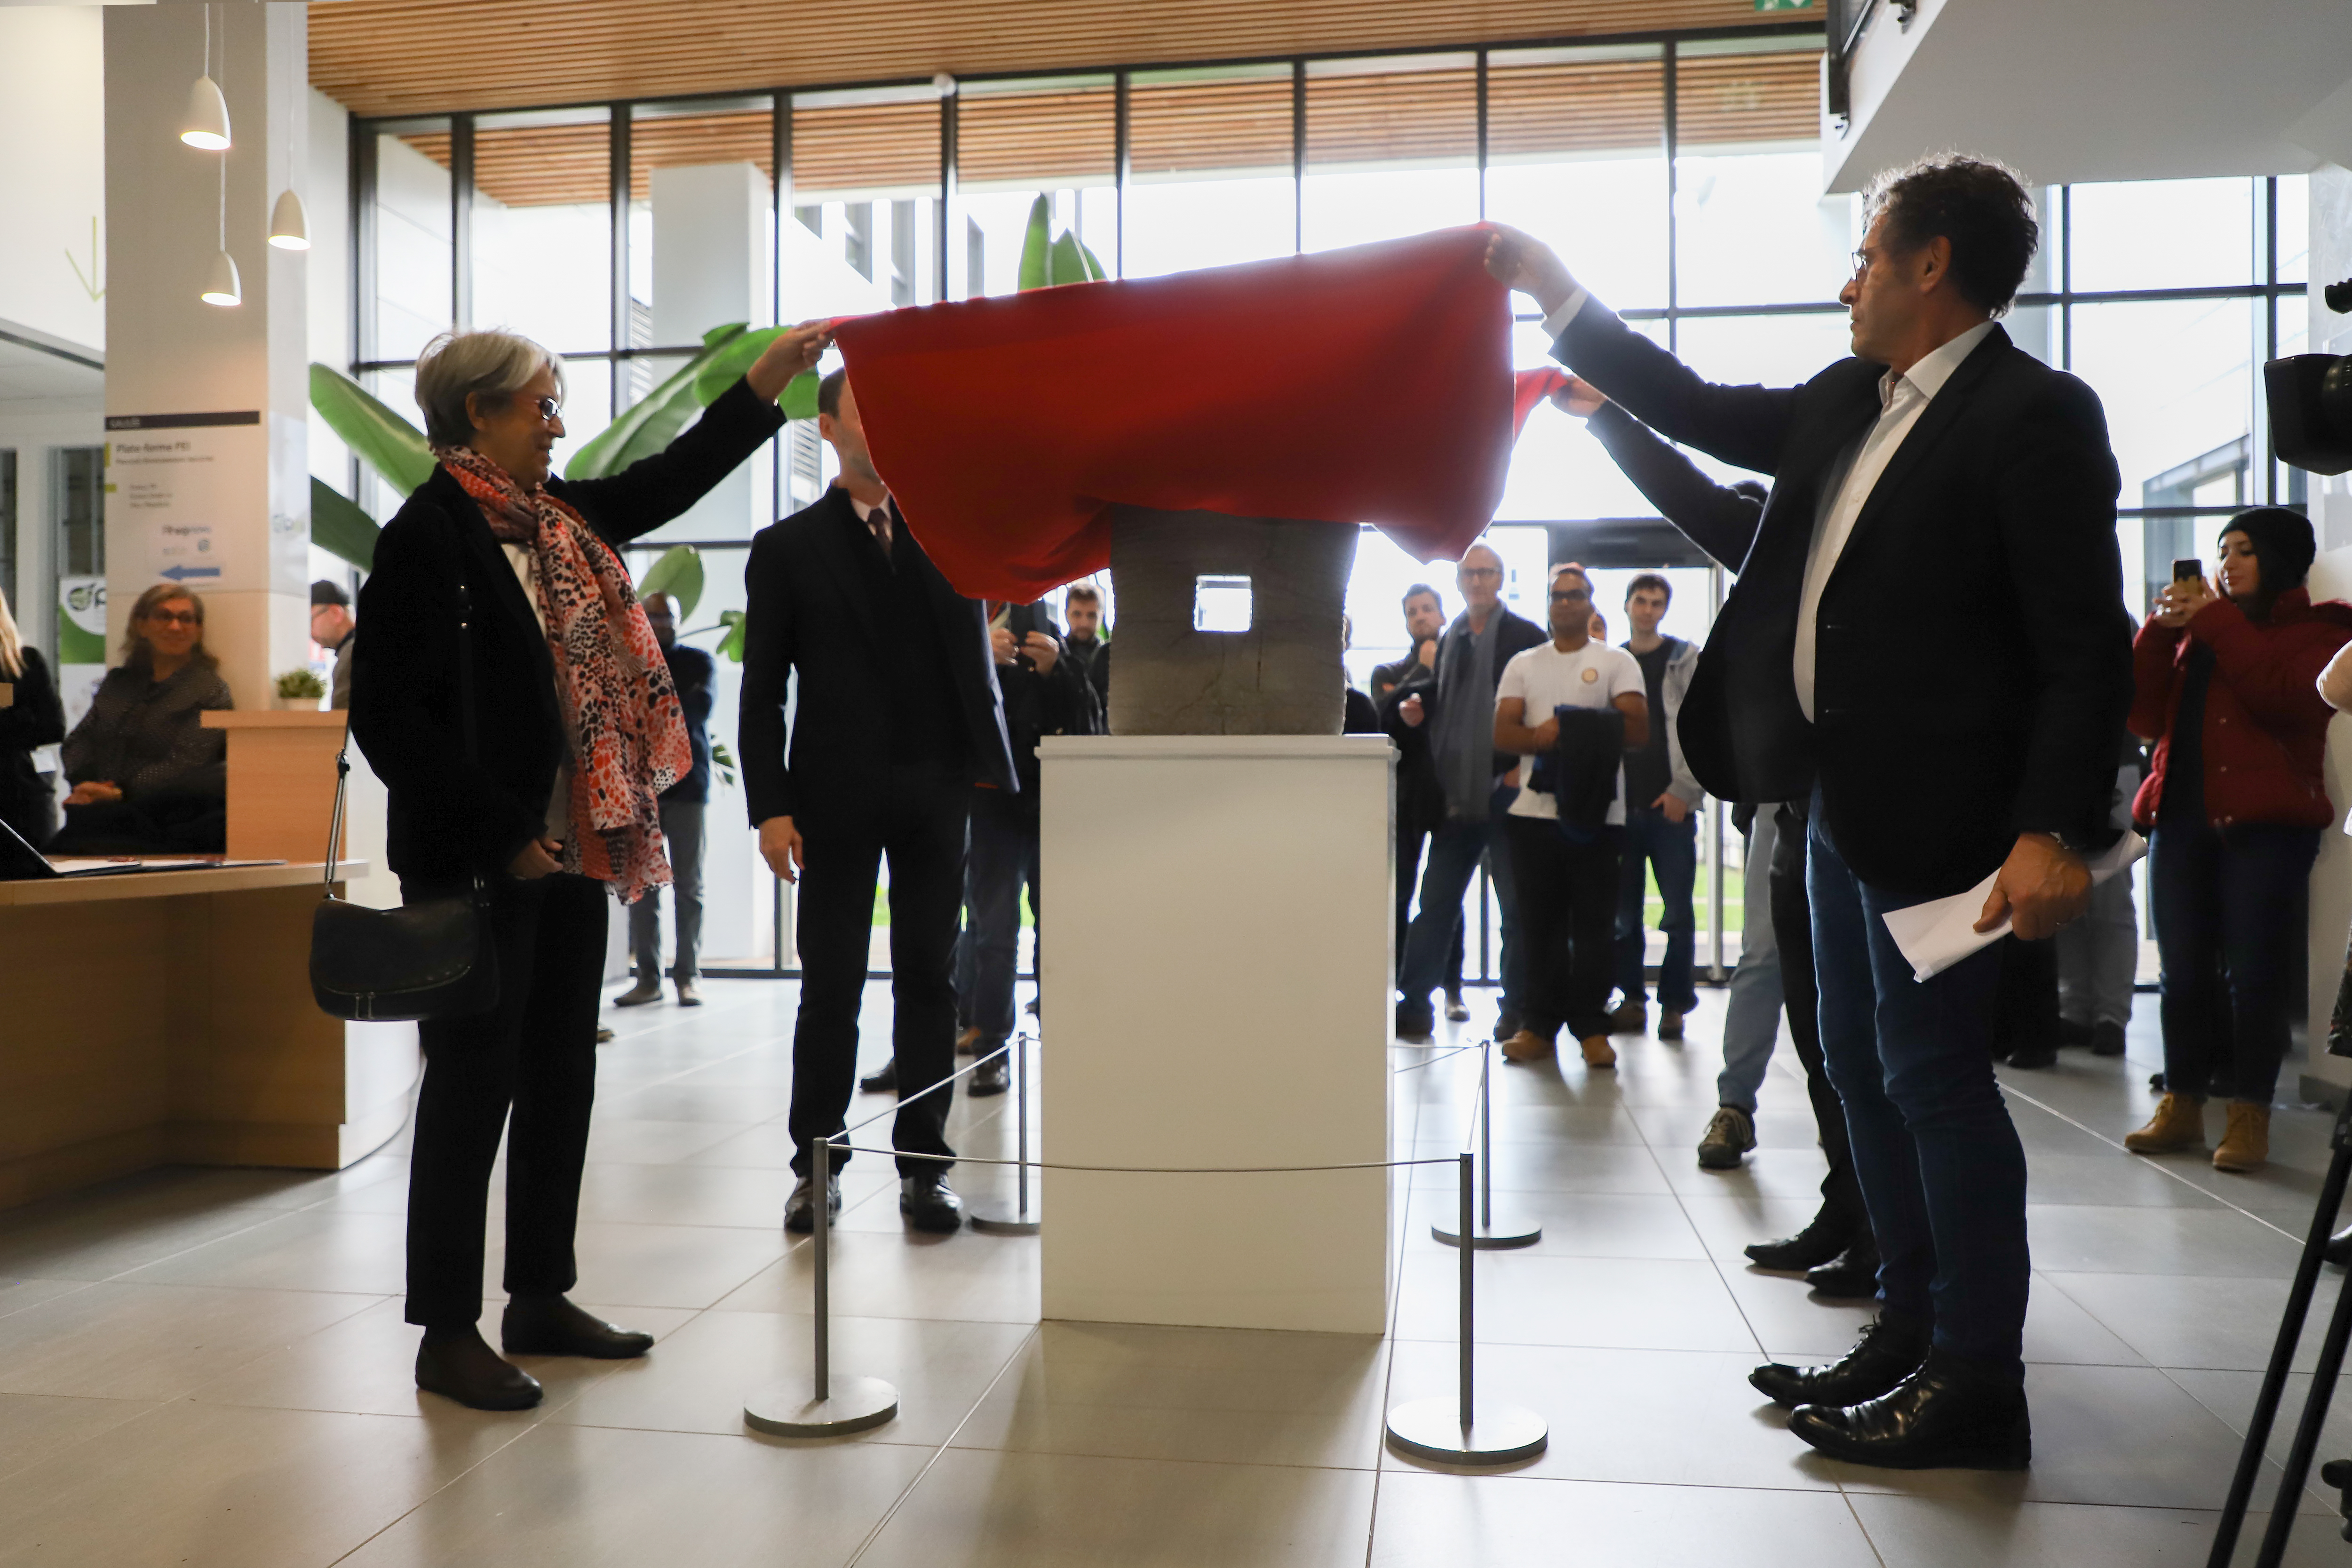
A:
[1021,1220]
[1452,1431]
[858,1403]
[1483,1233]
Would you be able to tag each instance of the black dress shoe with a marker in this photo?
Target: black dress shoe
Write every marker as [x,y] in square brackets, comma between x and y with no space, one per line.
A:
[2339,1247]
[1889,1351]
[1414,1026]
[1824,1236]
[928,1203]
[551,1325]
[2033,1057]
[460,1364]
[800,1209]
[882,1082]
[991,1077]
[1852,1273]
[2070,1033]
[2106,1039]
[1949,1415]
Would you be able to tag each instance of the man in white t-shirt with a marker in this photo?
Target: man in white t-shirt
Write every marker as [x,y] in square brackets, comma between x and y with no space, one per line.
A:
[1566,875]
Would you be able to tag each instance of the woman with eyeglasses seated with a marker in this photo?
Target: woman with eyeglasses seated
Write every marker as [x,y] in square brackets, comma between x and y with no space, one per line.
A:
[534,761]
[148,778]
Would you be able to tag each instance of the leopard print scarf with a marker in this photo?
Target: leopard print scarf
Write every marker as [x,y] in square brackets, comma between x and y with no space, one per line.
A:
[621,710]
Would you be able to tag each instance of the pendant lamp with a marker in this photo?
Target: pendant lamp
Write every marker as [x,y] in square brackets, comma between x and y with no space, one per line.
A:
[289,226]
[206,125]
[221,285]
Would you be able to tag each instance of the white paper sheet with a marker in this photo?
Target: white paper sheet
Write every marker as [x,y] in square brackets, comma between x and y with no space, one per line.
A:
[1940,932]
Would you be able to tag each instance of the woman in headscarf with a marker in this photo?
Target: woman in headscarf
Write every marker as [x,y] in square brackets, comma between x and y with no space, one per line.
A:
[544,779]
[2225,679]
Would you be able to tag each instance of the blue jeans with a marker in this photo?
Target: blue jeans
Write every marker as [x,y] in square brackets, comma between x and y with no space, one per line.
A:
[2227,903]
[1942,1171]
[1454,849]
[1654,838]
[1751,1009]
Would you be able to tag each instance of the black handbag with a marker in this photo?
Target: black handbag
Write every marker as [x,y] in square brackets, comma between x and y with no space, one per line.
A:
[431,959]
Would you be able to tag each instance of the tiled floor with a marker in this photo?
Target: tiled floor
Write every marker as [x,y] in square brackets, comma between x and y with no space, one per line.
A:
[208,1367]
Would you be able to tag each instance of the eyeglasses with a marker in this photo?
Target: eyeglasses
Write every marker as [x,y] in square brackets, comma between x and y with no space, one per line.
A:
[177,617]
[1573,596]
[1482,570]
[550,409]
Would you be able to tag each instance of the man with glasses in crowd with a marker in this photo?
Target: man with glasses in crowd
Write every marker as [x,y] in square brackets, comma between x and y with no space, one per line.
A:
[1455,702]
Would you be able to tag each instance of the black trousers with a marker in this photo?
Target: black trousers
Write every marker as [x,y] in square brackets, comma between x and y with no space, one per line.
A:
[917,820]
[526,1069]
[1792,930]
[1568,919]
[1409,846]
[1001,860]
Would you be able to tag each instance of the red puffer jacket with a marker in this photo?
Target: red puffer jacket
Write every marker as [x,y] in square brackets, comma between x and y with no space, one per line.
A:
[2265,729]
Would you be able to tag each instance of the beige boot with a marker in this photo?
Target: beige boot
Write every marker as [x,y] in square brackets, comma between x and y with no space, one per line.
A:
[1599,1052]
[2178,1123]
[2245,1140]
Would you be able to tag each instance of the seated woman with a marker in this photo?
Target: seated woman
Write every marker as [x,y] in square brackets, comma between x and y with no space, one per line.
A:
[148,778]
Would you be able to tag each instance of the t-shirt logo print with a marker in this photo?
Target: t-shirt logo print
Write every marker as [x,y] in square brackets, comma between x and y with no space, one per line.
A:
[1591,676]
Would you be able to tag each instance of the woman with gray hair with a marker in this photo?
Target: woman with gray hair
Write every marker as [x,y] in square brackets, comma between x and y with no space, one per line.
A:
[532,759]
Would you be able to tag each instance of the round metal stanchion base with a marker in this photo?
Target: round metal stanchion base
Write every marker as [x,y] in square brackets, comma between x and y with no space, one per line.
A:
[1502,1237]
[1432,1429]
[787,1410]
[1025,1223]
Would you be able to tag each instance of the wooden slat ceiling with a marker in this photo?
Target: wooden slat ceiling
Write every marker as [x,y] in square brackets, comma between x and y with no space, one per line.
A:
[412,57]
[1053,139]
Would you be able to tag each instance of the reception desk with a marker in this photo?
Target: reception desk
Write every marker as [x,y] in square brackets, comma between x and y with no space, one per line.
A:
[167,1019]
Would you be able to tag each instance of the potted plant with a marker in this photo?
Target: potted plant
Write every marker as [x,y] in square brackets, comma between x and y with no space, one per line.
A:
[299,690]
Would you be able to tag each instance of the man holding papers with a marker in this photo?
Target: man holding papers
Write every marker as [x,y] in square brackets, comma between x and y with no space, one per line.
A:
[1928,641]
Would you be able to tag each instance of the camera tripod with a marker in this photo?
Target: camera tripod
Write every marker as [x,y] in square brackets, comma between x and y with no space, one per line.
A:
[2337,1472]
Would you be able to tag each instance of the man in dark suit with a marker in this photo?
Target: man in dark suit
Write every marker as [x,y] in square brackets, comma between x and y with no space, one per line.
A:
[897,715]
[1928,640]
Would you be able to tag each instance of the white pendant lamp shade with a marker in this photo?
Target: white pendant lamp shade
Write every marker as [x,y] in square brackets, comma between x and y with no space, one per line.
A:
[206,125]
[289,226]
[221,285]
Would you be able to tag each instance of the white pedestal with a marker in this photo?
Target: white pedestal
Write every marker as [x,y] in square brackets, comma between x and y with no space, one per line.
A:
[1218,993]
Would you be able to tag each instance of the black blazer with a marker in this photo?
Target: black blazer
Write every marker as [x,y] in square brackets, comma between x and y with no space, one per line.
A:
[447,817]
[1973,658]
[1718,519]
[34,718]
[810,613]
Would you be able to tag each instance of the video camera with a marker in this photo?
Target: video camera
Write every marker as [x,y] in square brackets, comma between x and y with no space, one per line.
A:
[2310,398]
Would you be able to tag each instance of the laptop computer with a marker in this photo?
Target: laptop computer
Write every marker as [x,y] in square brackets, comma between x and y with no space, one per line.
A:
[20,862]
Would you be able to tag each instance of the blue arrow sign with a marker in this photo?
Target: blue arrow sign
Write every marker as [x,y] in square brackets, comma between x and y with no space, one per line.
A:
[182,574]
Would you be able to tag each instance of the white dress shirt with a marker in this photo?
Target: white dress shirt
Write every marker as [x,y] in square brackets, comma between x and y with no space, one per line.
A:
[1901,400]
[876,519]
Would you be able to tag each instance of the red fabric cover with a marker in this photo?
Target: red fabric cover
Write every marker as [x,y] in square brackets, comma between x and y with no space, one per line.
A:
[1372,385]
[1533,387]
[2265,738]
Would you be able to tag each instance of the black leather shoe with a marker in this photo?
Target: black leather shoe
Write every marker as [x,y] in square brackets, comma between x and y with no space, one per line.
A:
[460,1364]
[1414,1026]
[1823,1237]
[1949,1415]
[1889,1351]
[2106,1039]
[928,1203]
[2339,1247]
[2070,1033]
[992,1077]
[2033,1057]
[800,1209]
[551,1325]
[1852,1273]
[883,1082]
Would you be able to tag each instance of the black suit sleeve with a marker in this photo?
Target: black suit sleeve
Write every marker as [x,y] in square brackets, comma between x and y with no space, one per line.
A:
[2055,500]
[405,710]
[1744,426]
[1717,518]
[652,491]
[768,643]
[34,716]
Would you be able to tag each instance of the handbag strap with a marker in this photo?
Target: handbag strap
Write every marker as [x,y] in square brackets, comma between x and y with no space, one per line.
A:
[466,717]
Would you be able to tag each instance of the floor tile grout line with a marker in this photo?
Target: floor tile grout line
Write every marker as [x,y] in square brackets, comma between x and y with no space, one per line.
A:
[907,1491]
[2153,1164]
[1396,1316]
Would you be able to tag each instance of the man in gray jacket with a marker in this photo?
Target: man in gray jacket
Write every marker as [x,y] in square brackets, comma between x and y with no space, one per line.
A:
[1661,804]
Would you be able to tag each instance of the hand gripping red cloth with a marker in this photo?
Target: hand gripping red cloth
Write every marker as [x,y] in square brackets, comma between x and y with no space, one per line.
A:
[1372,385]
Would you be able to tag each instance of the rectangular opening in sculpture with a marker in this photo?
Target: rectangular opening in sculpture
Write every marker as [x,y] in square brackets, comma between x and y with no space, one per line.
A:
[1220,603]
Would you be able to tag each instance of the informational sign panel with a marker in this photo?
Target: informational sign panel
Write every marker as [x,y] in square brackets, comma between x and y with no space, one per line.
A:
[176,483]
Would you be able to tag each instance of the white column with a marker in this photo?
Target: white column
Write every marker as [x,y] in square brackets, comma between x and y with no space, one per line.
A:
[220,500]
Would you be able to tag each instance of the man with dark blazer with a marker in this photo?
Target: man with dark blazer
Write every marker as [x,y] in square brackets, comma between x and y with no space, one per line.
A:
[896,715]
[1928,640]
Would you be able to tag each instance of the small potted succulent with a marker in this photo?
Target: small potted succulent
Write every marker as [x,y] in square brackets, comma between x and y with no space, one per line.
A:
[299,690]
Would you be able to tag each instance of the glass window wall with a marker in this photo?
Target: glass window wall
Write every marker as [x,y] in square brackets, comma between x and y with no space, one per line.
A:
[1211,154]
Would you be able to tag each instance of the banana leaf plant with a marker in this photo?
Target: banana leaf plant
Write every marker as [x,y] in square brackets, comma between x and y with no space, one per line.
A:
[1047,260]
